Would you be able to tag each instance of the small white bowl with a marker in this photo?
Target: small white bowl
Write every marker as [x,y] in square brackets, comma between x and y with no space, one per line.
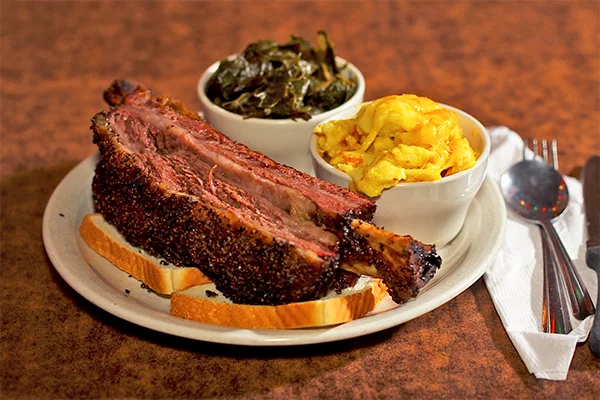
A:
[284,140]
[431,212]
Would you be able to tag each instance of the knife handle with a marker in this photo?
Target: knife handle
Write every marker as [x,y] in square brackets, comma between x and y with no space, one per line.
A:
[581,303]
[555,311]
[592,258]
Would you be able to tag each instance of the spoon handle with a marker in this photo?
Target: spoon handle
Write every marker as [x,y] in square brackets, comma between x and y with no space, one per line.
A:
[581,303]
[555,312]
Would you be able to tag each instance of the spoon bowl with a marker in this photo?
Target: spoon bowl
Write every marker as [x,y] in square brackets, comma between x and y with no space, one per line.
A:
[534,190]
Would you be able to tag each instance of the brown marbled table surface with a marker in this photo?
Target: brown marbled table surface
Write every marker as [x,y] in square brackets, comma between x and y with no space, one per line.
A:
[532,66]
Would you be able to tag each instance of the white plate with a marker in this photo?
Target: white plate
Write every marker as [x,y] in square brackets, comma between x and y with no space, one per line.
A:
[464,261]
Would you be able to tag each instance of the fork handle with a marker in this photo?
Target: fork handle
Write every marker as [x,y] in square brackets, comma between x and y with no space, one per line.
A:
[581,302]
[555,312]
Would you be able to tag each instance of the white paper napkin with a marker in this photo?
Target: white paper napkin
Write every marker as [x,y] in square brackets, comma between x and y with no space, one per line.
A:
[515,278]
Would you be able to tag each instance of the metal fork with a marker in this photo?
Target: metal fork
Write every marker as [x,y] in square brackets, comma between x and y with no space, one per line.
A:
[581,303]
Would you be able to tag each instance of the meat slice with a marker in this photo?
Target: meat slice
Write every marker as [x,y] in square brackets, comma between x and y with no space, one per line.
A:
[263,232]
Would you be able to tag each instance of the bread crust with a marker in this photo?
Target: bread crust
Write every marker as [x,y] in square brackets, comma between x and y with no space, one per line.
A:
[194,304]
[106,241]
[194,296]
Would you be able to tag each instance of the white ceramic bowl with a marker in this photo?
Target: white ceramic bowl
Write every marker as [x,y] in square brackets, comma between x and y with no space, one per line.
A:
[432,212]
[284,140]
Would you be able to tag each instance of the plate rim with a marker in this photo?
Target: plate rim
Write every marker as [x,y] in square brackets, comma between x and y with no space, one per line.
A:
[65,256]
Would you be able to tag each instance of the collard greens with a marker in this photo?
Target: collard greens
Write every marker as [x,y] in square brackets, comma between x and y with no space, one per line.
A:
[273,80]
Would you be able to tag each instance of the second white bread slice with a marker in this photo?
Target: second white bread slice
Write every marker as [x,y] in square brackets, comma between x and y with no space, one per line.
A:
[204,303]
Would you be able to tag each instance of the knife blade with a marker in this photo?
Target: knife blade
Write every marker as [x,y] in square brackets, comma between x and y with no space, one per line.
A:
[591,201]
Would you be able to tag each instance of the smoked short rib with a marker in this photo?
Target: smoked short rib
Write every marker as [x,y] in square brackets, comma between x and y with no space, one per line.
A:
[265,233]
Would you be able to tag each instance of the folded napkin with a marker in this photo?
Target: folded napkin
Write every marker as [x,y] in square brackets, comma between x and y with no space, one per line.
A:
[515,278]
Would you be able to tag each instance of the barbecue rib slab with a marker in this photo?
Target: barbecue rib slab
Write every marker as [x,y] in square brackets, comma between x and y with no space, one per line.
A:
[263,232]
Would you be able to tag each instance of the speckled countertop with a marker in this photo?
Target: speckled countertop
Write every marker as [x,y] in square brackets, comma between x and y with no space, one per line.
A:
[532,66]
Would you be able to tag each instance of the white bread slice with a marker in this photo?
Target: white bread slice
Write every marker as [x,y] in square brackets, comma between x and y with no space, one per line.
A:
[204,303]
[163,278]
[194,296]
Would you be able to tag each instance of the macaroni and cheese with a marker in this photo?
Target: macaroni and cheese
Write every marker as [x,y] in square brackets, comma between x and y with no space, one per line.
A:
[399,138]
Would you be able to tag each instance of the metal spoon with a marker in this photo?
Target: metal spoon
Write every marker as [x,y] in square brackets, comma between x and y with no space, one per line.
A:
[537,192]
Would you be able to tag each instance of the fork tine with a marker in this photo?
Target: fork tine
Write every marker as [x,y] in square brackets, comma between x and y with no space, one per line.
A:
[531,145]
[545,150]
[534,147]
[554,149]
